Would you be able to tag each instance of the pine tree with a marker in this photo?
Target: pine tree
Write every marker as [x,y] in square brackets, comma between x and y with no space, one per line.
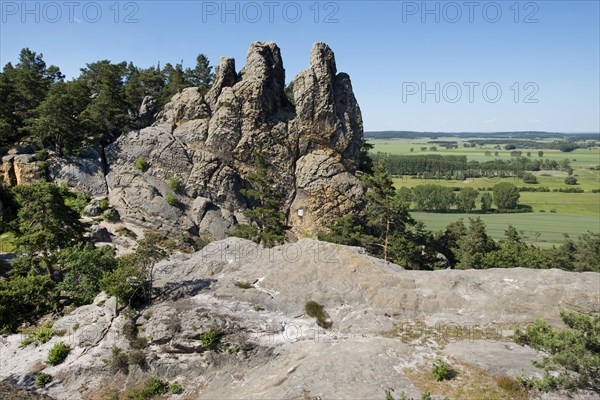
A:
[202,75]
[385,214]
[268,224]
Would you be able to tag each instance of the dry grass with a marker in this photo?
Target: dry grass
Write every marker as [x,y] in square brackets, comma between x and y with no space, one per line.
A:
[470,383]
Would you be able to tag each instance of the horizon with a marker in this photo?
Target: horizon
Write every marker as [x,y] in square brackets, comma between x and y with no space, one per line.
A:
[444,67]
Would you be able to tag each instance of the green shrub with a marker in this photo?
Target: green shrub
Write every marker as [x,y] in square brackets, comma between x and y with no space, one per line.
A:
[314,309]
[118,361]
[441,371]
[136,357]
[573,359]
[175,388]
[123,231]
[111,215]
[570,180]
[104,204]
[141,164]
[244,285]
[210,338]
[174,184]
[155,387]
[529,178]
[42,379]
[39,336]
[172,199]
[58,353]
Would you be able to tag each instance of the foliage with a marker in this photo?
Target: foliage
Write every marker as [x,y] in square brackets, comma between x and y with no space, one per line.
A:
[175,184]
[24,298]
[124,282]
[570,180]
[466,198]
[172,199]
[210,338]
[506,196]
[83,266]
[175,388]
[441,371]
[573,359]
[39,336]
[486,202]
[244,285]
[344,231]
[58,353]
[45,223]
[141,164]
[529,178]
[314,309]
[111,215]
[42,379]
[118,361]
[103,204]
[435,198]
[268,222]
[473,245]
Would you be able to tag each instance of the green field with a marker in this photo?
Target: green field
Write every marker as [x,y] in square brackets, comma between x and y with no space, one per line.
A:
[551,227]
[580,158]
[554,213]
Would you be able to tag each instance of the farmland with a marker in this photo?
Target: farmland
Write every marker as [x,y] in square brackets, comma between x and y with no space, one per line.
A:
[554,213]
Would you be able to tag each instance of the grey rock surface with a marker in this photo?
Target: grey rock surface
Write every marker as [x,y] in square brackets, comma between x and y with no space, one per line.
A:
[208,143]
[389,326]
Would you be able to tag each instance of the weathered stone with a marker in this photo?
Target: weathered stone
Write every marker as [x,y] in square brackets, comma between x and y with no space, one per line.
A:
[209,143]
[84,173]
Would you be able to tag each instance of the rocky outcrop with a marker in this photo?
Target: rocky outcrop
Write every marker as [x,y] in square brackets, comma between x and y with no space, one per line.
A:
[389,325]
[208,144]
[84,173]
[21,169]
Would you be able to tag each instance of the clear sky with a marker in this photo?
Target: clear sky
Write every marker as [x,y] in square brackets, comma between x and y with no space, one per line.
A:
[425,66]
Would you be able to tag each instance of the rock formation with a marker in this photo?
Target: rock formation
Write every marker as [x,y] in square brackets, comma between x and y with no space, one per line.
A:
[208,143]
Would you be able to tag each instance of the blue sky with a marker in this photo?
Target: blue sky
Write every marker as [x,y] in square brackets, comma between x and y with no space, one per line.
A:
[543,56]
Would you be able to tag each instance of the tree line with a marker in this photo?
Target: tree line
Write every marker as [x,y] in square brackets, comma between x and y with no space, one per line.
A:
[387,230]
[437,166]
[38,104]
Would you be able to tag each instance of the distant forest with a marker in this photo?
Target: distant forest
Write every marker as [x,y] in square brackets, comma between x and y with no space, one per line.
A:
[502,135]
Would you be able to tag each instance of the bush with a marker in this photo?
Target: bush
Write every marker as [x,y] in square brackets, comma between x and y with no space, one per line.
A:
[530,178]
[570,180]
[111,215]
[172,199]
[137,357]
[314,309]
[42,379]
[244,285]
[441,371]
[174,184]
[141,164]
[573,359]
[104,204]
[39,336]
[58,353]
[118,361]
[124,282]
[210,338]
[155,387]
[175,388]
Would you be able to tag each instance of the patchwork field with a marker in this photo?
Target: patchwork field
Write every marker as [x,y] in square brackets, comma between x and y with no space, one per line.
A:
[554,214]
